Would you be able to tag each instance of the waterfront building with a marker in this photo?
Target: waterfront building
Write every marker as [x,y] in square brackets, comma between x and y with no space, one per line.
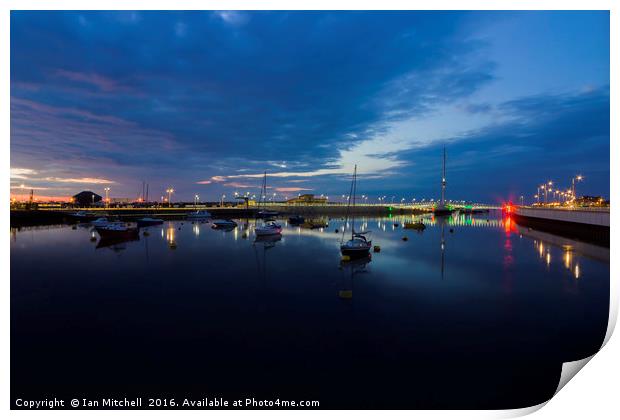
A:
[307,199]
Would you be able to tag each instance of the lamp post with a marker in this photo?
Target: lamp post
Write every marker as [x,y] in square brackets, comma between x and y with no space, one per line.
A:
[107,198]
[169,191]
[196,198]
[576,178]
[521,200]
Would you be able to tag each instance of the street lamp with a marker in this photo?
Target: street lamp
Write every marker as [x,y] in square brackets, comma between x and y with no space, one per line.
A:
[577,178]
[169,191]
[107,198]
[196,198]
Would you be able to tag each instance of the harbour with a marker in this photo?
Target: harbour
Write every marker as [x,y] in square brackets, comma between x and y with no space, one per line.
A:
[228,298]
[307,209]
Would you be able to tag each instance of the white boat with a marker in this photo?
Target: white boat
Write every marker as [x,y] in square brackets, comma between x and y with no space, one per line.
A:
[268,228]
[358,246]
[82,216]
[199,215]
[223,223]
[100,222]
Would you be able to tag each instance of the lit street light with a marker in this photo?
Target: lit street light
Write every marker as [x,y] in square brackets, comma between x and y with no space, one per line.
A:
[577,178]
[169,191]
[107,198]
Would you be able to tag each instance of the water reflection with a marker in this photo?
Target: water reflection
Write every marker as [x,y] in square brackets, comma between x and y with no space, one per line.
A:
[350,269]
[233,301]
[115,244]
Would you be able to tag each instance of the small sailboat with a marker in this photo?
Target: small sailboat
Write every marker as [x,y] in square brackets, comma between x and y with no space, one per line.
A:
[268,228]
[117,230]
[358,246]
[223,224]
[263,213]
[199,215]
[82,216]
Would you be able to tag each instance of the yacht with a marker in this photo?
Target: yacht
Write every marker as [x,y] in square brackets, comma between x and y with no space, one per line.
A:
[199,215]
[117,230]
[268,228]
[358,246]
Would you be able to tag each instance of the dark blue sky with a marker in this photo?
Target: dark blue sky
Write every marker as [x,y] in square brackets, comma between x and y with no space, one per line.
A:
[204,102]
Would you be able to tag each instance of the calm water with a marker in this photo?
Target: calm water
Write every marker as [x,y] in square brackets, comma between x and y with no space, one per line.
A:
[471,313]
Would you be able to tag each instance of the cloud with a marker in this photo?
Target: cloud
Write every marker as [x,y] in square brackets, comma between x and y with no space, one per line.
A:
[292,189]
[239,185]
[221,96]
[22,173]
[80,180]
[232,17]
[101,82]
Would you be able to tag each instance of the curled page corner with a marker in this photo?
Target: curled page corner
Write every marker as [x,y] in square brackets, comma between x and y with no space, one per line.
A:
[570,369]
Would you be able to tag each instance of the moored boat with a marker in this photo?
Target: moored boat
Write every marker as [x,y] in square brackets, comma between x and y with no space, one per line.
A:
[117,230]
[199,215]
[263,213]
[358,246]
[269,228]
[223,224]
[415,225]
[82,216]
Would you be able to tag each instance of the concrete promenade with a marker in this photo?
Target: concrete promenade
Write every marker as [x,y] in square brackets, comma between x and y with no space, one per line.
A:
[585,224]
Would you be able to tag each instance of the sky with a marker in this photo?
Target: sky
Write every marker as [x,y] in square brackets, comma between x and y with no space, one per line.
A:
[206,102]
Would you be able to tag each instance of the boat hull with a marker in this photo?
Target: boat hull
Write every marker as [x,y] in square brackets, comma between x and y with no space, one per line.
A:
[126,234]
[358,252]
[267,232]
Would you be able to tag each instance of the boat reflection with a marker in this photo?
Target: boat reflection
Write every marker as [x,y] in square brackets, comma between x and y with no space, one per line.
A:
[115,244]
[350,269]
[268,241]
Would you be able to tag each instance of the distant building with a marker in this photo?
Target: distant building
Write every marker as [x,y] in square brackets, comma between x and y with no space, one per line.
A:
[307,199]
[86,198]
[122,200]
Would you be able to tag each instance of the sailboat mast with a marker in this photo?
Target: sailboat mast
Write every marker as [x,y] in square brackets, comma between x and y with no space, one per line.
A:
[443,178]
[263,191]
[354,192]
